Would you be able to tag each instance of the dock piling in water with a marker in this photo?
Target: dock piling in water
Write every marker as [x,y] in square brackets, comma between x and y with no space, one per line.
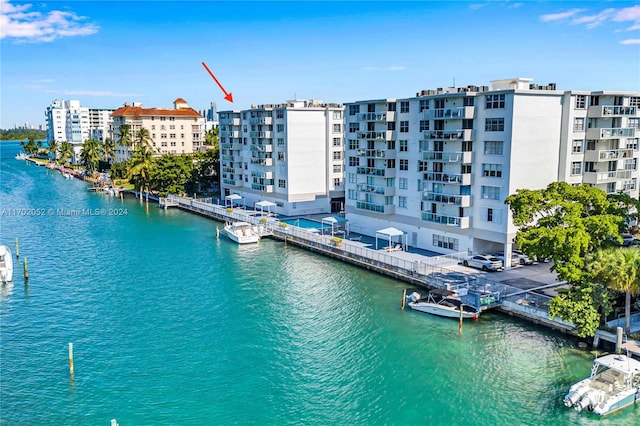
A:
[17,248]
[71,358]
[404,297]
[26,270]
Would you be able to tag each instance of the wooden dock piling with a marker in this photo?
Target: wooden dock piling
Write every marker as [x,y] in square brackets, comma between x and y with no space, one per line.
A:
[71,358]
[17,248]
[26,269]
[404,298]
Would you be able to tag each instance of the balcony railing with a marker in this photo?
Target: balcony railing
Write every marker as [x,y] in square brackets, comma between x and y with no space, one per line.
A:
[457,200]
[262,147]
[605,177]
[462,179]
[371,171]
[378,208]
[262,161]
[374,153]
[459,222]
[231,182]
[373,189]
[372,116]
[462,134]
[451,157]
[260,120]
[372,135]
[610,133]
[262,175]
[612,110]
[614,154]
[267,134]
[449,113]
[263,188]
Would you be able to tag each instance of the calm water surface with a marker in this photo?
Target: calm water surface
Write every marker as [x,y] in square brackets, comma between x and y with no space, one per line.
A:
[173,327]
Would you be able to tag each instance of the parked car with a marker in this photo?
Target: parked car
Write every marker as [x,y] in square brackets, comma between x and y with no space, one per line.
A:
[515,260]
[483,261]
[524,259]
[627,239]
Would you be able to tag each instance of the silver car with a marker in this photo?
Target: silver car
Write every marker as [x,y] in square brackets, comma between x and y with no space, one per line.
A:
[484,262]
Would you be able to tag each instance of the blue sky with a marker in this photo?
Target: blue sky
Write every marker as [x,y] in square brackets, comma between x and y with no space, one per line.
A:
[108,53]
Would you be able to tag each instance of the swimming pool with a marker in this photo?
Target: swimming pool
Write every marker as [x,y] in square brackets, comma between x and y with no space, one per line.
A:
[306,223]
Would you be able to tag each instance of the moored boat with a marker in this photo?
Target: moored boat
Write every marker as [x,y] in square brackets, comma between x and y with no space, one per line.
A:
[6,265]
[22,156]
[614,383]
[443,304]
[241,232]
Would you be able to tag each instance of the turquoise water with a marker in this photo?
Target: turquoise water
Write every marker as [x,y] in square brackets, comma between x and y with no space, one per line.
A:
[173,327]
[306,223]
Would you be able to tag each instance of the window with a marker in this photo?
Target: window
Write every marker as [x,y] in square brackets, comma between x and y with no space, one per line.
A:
[352,194]
[403,183]
[404,145]
[491,192]
[354,161]
[353,144]
[352,177]
[494,101]
[489,215]
[492,170]
[337,128]
[391,164]
[468,101]
[634,101]
[576,146]
[581,101]
[632,143]
[467,123]
[354,109]
[337,168]
[594,100]
[280,141]
[631,164]
[391,144]
[282,183]
[404,164]
[424,125]
[424,104]
[280,128]
[404,126]
[589,166]
[578,124]
[337,142]
[279,113]
[337,115]
[494,124]
[336,182]
[391,106]
[281,156]
[337,155]
[493,147]
[576,168]
[438,103]
[423,166]
[404,106]
[634,122]
[449,243]
[354,127]
[153,127]
[391,125]
[402,202]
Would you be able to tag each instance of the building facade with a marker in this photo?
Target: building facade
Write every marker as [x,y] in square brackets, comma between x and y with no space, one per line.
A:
[171,131]
[439,165]
[290,154]
[67,120]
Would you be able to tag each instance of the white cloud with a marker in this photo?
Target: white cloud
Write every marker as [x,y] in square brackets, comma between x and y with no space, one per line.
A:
[560,16]
[19,23]
[631,41]
[592,21]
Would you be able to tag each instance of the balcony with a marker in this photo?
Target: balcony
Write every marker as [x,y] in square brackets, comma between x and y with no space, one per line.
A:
[448,113]
[378,190]
[235,121]
[372,135]
[372,171]
[608,154]
[378,208]
[230,133]
[262,147]
[450,157]
[458,134]
[458,222]
[231,182]
[262,175]
[612,111]
[262,161]
[373,153]
[595,178]
[266,134]
[461,179]
[610,133]
[263,188]
[456,200]
[260,120]
[372,116]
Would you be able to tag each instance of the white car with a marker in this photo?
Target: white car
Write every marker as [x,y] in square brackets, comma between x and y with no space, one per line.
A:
[523,258]
[515,260]
[483,261]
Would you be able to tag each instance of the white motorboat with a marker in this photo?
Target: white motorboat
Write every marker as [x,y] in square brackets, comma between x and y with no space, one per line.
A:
[6,265]
[242,232]
[22,156]
[614,383]
[442,303]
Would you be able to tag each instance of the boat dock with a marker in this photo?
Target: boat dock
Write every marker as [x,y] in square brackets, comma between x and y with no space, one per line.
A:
[514,292]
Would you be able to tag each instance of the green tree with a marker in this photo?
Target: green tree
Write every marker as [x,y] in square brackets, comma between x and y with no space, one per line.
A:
[108,150]
[124,136]
[211,137]
[90,154]
[582,306]
[170,174]
[563,223]
[54,146]
[66,152]
[619,269]
[30,147]
[205,172]
[140,165]
[627,207]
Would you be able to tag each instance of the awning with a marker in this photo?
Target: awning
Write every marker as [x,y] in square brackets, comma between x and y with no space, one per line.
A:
[233,197]
[391,233]
[265,205]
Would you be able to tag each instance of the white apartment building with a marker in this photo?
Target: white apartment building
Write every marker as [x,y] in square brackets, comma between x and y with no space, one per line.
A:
[67,120]
[289,154]
[440,165]
[172,131]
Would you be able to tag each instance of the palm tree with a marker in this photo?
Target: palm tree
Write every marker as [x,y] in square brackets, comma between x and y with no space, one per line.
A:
[619,269]
[108,150]
[139,172]
[53,148]
[90,154]
[66,152]
[143,137]
[124,138]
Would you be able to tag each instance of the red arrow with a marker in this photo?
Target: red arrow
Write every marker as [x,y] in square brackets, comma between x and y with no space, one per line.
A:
[227,96]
